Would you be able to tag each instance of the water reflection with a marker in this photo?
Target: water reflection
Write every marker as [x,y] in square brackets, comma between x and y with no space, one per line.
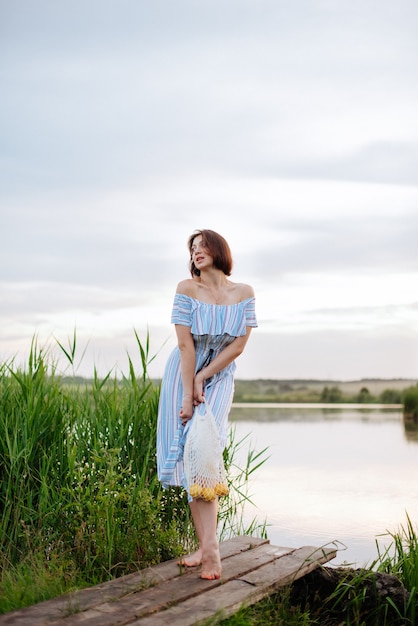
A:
[411,430]
[318,414]
[345,475]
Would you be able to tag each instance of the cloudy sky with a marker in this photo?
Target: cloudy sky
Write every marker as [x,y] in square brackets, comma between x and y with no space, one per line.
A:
[288,127]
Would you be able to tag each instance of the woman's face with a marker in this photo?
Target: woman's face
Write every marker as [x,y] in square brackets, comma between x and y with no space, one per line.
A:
[200,255]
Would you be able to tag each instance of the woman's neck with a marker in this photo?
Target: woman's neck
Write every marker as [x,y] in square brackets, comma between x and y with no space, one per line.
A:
[215,286]
[214,279]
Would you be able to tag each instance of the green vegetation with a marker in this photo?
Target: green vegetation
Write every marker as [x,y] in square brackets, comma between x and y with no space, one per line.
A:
[361,391]
[80,500]
[410,399]
[385,594]
[277,609]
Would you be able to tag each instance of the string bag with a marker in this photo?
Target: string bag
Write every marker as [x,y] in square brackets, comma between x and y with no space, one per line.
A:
[204,468]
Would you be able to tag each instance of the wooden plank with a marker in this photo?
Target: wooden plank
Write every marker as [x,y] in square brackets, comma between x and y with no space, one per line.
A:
[227,599]
[170,592]
[291,566]
[252,568]
[74,603]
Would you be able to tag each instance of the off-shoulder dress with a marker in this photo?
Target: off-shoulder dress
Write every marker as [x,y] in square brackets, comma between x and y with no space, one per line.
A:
[213,327]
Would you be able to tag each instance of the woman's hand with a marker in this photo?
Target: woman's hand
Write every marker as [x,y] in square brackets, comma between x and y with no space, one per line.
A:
[198,394]
[186,411]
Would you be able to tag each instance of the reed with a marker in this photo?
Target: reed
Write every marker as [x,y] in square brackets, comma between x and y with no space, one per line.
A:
[400,558]
[231,508]
[361,597]
[410,402]
[80,501]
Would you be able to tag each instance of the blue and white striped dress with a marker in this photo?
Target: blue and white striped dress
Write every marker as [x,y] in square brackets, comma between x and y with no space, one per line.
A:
[213,327]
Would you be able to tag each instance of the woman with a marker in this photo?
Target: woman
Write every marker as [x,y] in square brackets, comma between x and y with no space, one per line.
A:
[213,318]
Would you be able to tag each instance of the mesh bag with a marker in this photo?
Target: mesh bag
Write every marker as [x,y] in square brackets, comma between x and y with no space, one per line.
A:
[204,468]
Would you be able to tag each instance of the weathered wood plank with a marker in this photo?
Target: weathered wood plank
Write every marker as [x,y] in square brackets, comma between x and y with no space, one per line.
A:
[83,600]
[170,592]
[291,566]
[244,591]
[252,569]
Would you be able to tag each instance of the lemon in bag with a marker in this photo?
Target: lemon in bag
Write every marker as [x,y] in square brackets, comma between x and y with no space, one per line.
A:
[221,489]
[195,490]
[208,494]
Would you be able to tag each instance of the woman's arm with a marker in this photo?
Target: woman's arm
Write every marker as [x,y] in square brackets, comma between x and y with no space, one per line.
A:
[188,366]
[224,358]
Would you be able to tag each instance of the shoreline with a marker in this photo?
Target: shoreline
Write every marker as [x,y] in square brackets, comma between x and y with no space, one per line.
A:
[315,405]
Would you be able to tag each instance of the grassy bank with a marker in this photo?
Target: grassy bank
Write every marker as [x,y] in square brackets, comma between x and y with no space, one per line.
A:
[363,391]
[79,497]
[385,594]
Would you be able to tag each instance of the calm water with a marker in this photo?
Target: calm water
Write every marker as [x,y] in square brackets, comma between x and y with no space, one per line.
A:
[333,475]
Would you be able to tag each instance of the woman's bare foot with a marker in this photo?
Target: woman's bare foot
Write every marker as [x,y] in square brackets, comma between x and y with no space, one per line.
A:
[211,564]
[192,560]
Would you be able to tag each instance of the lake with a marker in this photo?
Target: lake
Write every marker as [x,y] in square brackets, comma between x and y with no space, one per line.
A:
[333,474]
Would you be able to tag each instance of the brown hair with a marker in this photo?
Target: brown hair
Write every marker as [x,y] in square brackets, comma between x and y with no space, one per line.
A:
[217,247]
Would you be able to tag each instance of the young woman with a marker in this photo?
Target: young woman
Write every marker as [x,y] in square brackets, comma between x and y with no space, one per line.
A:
[213,318]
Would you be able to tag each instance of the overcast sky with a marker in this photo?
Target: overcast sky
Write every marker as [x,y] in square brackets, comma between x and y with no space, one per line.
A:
[290,127]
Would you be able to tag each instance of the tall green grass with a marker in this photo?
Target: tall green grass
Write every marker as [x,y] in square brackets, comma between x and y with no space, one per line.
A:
[79,496]
[400,558]
[360,597]
[410,400]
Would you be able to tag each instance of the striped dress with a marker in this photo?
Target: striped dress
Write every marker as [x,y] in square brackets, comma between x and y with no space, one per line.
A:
[213,327]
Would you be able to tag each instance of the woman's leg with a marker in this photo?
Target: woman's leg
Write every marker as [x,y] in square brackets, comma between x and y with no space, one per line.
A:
[195,558]
[205,518]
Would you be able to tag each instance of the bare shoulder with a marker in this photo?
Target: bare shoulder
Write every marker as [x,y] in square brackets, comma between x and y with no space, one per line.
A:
[187,287]
[245,291]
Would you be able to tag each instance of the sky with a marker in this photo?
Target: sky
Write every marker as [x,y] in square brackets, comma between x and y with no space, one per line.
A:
[288,127]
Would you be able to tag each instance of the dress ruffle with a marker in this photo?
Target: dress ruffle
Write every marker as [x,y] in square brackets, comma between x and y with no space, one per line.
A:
[213,319]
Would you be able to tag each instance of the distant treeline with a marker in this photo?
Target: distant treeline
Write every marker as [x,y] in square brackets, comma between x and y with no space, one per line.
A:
[364,391]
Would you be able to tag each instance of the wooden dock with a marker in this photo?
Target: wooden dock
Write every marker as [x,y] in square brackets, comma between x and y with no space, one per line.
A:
[168,594]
